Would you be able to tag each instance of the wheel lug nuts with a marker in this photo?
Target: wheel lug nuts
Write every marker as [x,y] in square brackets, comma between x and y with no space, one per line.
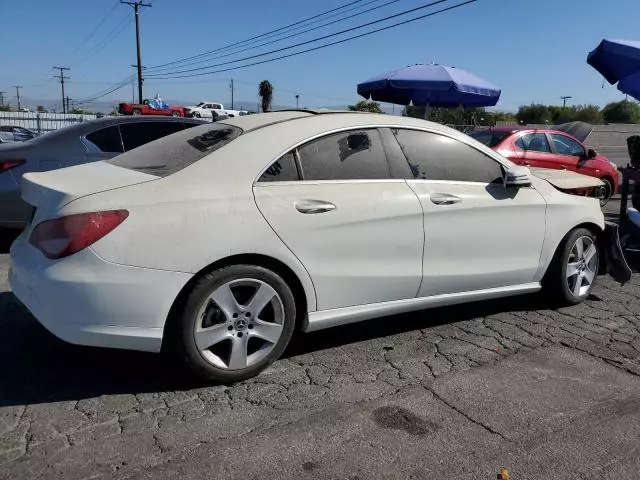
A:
[235,315]
[239,334]
[230,328]
[248,314]
[251,325]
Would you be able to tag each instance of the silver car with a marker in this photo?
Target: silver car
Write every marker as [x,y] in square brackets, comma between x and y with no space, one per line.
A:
[86,142]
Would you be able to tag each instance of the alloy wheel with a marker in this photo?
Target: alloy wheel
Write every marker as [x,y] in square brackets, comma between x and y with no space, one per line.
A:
[239,324]
[582,266]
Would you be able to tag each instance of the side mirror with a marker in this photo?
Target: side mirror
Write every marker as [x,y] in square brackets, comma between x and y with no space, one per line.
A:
[517,177]
[591,154]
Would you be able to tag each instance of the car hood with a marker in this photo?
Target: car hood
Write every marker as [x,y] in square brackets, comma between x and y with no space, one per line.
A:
[565,179]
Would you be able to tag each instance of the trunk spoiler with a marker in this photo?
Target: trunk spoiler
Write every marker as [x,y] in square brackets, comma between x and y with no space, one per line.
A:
[54,189]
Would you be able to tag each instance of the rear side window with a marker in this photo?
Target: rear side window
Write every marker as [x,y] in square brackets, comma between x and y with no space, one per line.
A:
[171,154]
[282,170]
[352,155]
[139,133]
[437,157]
[106,139]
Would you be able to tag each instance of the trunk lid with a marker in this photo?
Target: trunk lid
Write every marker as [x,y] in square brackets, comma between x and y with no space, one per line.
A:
[49,191]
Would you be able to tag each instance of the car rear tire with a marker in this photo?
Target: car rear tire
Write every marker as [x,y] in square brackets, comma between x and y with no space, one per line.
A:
[574,268]
[608,191]
[237,321]
[197,115]
[136,112]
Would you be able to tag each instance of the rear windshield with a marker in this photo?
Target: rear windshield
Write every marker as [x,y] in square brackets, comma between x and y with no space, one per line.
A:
[172,153]
[489,138]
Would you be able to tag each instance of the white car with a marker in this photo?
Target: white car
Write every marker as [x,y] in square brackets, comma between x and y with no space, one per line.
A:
[219,241]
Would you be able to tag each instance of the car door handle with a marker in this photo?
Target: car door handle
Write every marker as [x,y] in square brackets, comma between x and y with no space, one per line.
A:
[444,199]
[314,206]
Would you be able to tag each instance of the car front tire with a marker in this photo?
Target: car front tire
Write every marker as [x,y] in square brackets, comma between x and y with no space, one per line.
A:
[237,321]
[573,271]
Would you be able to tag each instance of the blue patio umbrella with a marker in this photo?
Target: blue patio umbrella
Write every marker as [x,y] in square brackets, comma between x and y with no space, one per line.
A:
[616,59]
[631,85]
[430,85]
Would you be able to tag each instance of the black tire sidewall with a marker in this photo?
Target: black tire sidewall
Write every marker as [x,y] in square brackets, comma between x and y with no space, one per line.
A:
[207,285]
[565,294]
[609,184]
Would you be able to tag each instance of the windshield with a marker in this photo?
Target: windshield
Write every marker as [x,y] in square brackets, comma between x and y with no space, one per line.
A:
[489,138]
[200,104]
[170,154]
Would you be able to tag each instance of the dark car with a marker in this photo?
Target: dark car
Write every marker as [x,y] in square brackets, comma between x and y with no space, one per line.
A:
[82,143]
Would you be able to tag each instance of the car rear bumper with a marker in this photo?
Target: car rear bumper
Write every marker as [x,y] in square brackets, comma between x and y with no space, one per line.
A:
[85,300]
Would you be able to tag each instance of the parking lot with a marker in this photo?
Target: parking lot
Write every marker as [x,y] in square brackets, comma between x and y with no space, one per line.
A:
[447,393]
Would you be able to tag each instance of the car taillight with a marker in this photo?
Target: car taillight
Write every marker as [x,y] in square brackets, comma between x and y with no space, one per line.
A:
[64,236]
[9,164]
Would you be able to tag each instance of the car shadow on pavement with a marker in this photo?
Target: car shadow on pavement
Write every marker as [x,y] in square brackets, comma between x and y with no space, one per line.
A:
[397,324]
[39,368]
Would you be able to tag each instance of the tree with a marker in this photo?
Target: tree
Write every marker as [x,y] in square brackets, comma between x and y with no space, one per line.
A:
[621,112]
[40,109]
[534,113]
[265,90]
[365,106]
[452,116]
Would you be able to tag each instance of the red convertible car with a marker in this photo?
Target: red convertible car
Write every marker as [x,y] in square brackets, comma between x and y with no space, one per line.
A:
[146,109]
[543,148]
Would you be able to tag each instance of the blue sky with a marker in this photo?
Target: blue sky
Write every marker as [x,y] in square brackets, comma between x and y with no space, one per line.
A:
[535,50]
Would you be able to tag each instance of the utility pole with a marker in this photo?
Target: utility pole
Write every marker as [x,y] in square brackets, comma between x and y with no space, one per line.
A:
[18,87]
[297,101]
[62,79]
[564,100]
[2,99]
[133,85]
[136,8]
[231,93]
[68,102]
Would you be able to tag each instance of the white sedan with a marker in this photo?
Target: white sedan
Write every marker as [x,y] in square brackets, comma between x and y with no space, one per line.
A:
[219,241]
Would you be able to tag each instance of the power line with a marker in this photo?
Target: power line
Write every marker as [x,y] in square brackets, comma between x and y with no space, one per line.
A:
[112,35]
[342,19]
[95,30]
[62,79]
[259,36]
[317,39]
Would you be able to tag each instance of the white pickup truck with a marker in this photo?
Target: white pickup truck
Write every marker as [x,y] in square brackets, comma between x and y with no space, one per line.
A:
[212,109]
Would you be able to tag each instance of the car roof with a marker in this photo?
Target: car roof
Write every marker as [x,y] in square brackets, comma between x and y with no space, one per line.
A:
[522,128]
[326,119]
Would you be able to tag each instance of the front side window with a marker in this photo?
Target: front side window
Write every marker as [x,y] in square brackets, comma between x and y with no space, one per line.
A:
[352,155]
[534,142]
[106,139]
[139,133]
[566,146]
[282,170]
[437,157]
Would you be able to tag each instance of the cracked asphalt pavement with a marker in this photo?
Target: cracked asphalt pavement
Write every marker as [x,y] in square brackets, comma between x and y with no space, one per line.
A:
[447,393]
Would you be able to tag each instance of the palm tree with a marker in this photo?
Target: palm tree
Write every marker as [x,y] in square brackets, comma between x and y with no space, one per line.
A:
[265,90]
